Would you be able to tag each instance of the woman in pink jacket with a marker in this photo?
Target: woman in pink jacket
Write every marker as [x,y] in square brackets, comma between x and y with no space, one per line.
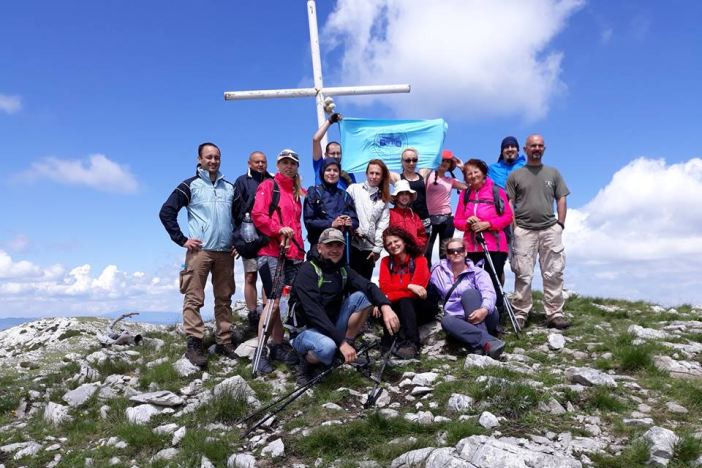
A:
[483,207]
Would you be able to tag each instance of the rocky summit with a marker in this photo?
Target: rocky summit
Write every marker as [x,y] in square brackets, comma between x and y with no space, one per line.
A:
[621,387]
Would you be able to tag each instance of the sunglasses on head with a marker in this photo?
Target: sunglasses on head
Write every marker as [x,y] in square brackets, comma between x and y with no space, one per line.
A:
[411,160]
[457,250]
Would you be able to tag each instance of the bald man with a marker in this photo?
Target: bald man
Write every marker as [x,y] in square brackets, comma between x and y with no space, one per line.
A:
[532,191]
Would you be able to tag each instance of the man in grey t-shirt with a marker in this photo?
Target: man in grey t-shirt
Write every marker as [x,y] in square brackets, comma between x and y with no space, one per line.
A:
[532,191]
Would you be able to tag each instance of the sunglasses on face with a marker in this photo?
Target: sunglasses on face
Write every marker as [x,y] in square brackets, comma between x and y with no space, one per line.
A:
[411,160]
[457,250]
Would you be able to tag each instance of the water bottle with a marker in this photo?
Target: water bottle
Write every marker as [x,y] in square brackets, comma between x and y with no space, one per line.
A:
[283,304]
[248,230]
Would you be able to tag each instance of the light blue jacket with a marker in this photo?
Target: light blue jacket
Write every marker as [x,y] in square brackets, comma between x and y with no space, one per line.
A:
[209,206]
[500,170]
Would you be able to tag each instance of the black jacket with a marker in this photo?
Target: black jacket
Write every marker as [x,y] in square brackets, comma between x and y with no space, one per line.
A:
[318,307]
[245,193]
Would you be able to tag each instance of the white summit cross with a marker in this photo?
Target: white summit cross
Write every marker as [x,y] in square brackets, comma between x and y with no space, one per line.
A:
[319,91]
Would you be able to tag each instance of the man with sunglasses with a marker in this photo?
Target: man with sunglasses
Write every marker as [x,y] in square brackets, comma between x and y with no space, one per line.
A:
[333,150]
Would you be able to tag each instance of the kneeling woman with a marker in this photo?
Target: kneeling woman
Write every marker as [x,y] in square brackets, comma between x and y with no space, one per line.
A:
[404,276]
[468,296]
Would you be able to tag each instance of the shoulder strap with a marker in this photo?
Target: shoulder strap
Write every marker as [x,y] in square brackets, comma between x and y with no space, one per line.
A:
[320,280]
[497,200]
[454,286]
[275,199]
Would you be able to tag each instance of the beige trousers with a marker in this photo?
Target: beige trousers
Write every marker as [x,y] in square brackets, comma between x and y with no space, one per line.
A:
[548,246]
[193,278]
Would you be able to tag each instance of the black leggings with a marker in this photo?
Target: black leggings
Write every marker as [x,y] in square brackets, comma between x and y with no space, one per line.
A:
[443,231]
[412,312]
[498,259]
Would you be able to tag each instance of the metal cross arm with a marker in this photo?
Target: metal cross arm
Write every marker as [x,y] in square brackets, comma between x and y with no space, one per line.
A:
[308,92]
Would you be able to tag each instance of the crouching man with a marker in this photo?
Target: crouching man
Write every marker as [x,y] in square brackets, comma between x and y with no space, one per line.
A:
[331,303]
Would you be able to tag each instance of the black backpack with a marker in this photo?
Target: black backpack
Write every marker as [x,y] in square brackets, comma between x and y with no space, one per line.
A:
[250,249]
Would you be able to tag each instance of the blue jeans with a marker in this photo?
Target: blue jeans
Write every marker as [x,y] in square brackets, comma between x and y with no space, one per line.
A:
[323,347]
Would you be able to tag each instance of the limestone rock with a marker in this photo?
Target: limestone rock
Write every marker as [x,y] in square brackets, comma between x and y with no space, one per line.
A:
[166,454]
[589,377]
[413,458]
[459,403]
[237,386]
[661,445]
[166,429]
[185,368]
[488,420]
[647,333]
[160,398]
[445,457]
[486,452]
[679,369]
[275,449]
[80,395]
[556,341]
[424,379]
[675,408]
[178,435]
[56,414]
[142,414]
[475,360]
[552,406]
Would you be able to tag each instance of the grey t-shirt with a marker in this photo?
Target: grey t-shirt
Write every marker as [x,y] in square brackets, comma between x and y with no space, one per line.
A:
[533,189]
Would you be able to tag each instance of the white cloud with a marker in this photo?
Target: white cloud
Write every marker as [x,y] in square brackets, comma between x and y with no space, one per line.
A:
[462,57]
[29,290]
[641,236]
[98,172]
[10,104]
[606,35]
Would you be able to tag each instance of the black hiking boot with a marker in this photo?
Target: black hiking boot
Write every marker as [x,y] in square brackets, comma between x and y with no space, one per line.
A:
[194,352]
[283,352]
[407,351]
[226,350]
[252,322]
[304,371]
[264,364]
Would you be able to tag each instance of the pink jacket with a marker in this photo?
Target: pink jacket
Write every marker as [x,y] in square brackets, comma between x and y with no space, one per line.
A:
[290,213]
[481,204]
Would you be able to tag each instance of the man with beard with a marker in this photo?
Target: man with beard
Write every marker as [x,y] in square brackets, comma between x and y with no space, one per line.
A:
[331,302]
[509,161]
[532,191]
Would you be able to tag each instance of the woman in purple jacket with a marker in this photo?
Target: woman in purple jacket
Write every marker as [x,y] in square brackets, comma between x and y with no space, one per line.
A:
[468,297]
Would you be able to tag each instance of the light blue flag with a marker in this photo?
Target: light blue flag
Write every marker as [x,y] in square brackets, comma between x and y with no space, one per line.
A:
[366,139]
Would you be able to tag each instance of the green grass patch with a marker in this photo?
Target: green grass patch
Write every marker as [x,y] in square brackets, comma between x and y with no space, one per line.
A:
[634,455]
[164,375]
[69,334]
[198,442]
[227,407]
[141,439]
[116,366]
[687,450]
[603,399]
[344,441]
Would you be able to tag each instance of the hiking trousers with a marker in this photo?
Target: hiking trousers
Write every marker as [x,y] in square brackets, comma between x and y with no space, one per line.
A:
[471,335]
[198,266]
[548,246]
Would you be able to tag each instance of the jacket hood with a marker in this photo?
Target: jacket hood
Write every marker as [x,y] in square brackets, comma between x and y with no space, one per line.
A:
[325,164]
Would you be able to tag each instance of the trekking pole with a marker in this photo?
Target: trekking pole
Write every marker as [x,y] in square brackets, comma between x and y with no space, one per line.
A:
[284,401]
[377,390]
[348,245]
[268,310]
[505,300]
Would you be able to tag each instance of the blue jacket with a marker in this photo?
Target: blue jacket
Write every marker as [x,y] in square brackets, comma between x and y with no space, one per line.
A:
[209,206]
[324,203]
[500,170]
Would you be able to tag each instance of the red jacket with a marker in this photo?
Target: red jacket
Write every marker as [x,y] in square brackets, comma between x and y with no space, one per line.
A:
[289,214]
[410,221]
[394,283]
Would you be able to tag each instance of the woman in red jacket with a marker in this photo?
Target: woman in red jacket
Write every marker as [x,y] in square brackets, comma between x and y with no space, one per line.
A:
[404,276]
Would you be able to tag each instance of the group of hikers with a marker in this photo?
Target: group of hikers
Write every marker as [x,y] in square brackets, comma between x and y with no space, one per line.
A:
[505,210]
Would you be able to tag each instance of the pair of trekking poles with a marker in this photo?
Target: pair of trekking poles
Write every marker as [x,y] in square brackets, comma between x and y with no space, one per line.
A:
[505,300]
[268,412]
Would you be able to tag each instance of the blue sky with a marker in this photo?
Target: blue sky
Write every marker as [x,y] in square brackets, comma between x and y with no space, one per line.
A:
[102,106]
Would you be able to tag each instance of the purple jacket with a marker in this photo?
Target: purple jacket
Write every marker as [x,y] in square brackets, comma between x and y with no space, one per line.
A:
[473,277]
